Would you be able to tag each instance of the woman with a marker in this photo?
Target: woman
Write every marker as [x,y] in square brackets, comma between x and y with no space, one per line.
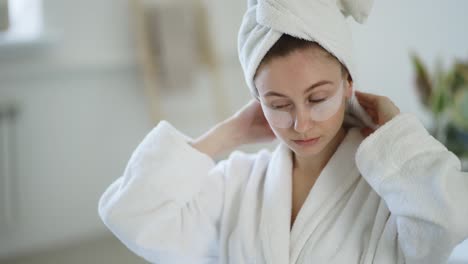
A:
[333,191]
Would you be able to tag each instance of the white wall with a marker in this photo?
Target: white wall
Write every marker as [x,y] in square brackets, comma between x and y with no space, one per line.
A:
[432,29]
[82,111]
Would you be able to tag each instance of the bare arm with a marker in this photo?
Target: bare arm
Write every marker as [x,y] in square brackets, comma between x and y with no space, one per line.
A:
[248,125]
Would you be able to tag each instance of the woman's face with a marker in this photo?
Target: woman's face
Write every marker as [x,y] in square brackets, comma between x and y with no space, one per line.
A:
[291,89]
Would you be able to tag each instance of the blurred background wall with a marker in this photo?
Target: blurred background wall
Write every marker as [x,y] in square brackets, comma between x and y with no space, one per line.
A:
[79,102]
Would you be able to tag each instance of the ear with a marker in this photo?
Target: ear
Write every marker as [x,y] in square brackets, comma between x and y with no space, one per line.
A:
[349,87]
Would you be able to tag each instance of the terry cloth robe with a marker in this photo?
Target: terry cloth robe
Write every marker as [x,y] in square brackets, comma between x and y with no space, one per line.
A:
[398,196]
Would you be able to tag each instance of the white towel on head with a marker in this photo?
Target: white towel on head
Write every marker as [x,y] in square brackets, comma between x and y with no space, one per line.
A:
[321,21]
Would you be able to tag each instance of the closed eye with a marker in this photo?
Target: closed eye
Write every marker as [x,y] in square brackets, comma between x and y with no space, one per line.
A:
[318,100]
[282,106]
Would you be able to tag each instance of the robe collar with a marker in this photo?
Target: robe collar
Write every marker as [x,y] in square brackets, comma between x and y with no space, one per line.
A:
[282,244]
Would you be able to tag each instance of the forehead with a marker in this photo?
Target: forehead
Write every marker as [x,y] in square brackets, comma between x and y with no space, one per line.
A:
[295,72]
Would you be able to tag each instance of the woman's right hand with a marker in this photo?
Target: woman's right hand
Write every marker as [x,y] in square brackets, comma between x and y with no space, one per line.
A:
[250,125]
[246,126]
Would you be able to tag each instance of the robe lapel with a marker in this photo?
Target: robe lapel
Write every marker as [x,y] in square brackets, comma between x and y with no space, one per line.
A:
[282,245]
[333,183]
[276,212]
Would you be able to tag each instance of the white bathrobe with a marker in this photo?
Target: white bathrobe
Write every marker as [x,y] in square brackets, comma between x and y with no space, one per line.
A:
[398,196]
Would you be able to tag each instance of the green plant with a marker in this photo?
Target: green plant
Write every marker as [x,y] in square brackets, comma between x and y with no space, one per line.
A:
[445,94]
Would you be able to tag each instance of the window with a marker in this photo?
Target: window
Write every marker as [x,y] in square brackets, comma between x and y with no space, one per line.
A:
[20,20]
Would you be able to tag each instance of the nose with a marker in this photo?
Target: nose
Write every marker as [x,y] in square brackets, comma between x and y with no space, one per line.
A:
[303,122]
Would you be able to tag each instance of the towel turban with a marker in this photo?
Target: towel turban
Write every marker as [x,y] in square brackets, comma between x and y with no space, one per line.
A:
[320,21]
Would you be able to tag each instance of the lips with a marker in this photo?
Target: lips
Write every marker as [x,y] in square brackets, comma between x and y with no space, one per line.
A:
[306,141]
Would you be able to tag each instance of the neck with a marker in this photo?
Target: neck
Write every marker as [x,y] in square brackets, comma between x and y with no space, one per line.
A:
[313,165]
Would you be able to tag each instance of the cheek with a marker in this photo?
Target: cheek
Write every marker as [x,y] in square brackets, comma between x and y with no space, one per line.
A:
[283,134]
[336,121]
[279,133]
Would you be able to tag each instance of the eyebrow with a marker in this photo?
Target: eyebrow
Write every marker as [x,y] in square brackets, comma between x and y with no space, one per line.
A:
[313,86]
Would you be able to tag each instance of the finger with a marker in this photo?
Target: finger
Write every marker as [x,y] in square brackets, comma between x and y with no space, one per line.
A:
[372,113]
[366,95]
[369,109]
[366,131]
[369,106]
[363,96]
[362,99]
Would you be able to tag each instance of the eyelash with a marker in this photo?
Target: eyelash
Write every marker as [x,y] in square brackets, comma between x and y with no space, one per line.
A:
[286,105]
[317,101]
[279,106]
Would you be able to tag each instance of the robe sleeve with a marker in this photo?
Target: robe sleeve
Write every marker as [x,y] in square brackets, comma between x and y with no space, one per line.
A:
[167,205]
[421,183]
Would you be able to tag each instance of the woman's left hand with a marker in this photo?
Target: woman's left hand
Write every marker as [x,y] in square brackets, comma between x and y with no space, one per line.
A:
[380,108]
